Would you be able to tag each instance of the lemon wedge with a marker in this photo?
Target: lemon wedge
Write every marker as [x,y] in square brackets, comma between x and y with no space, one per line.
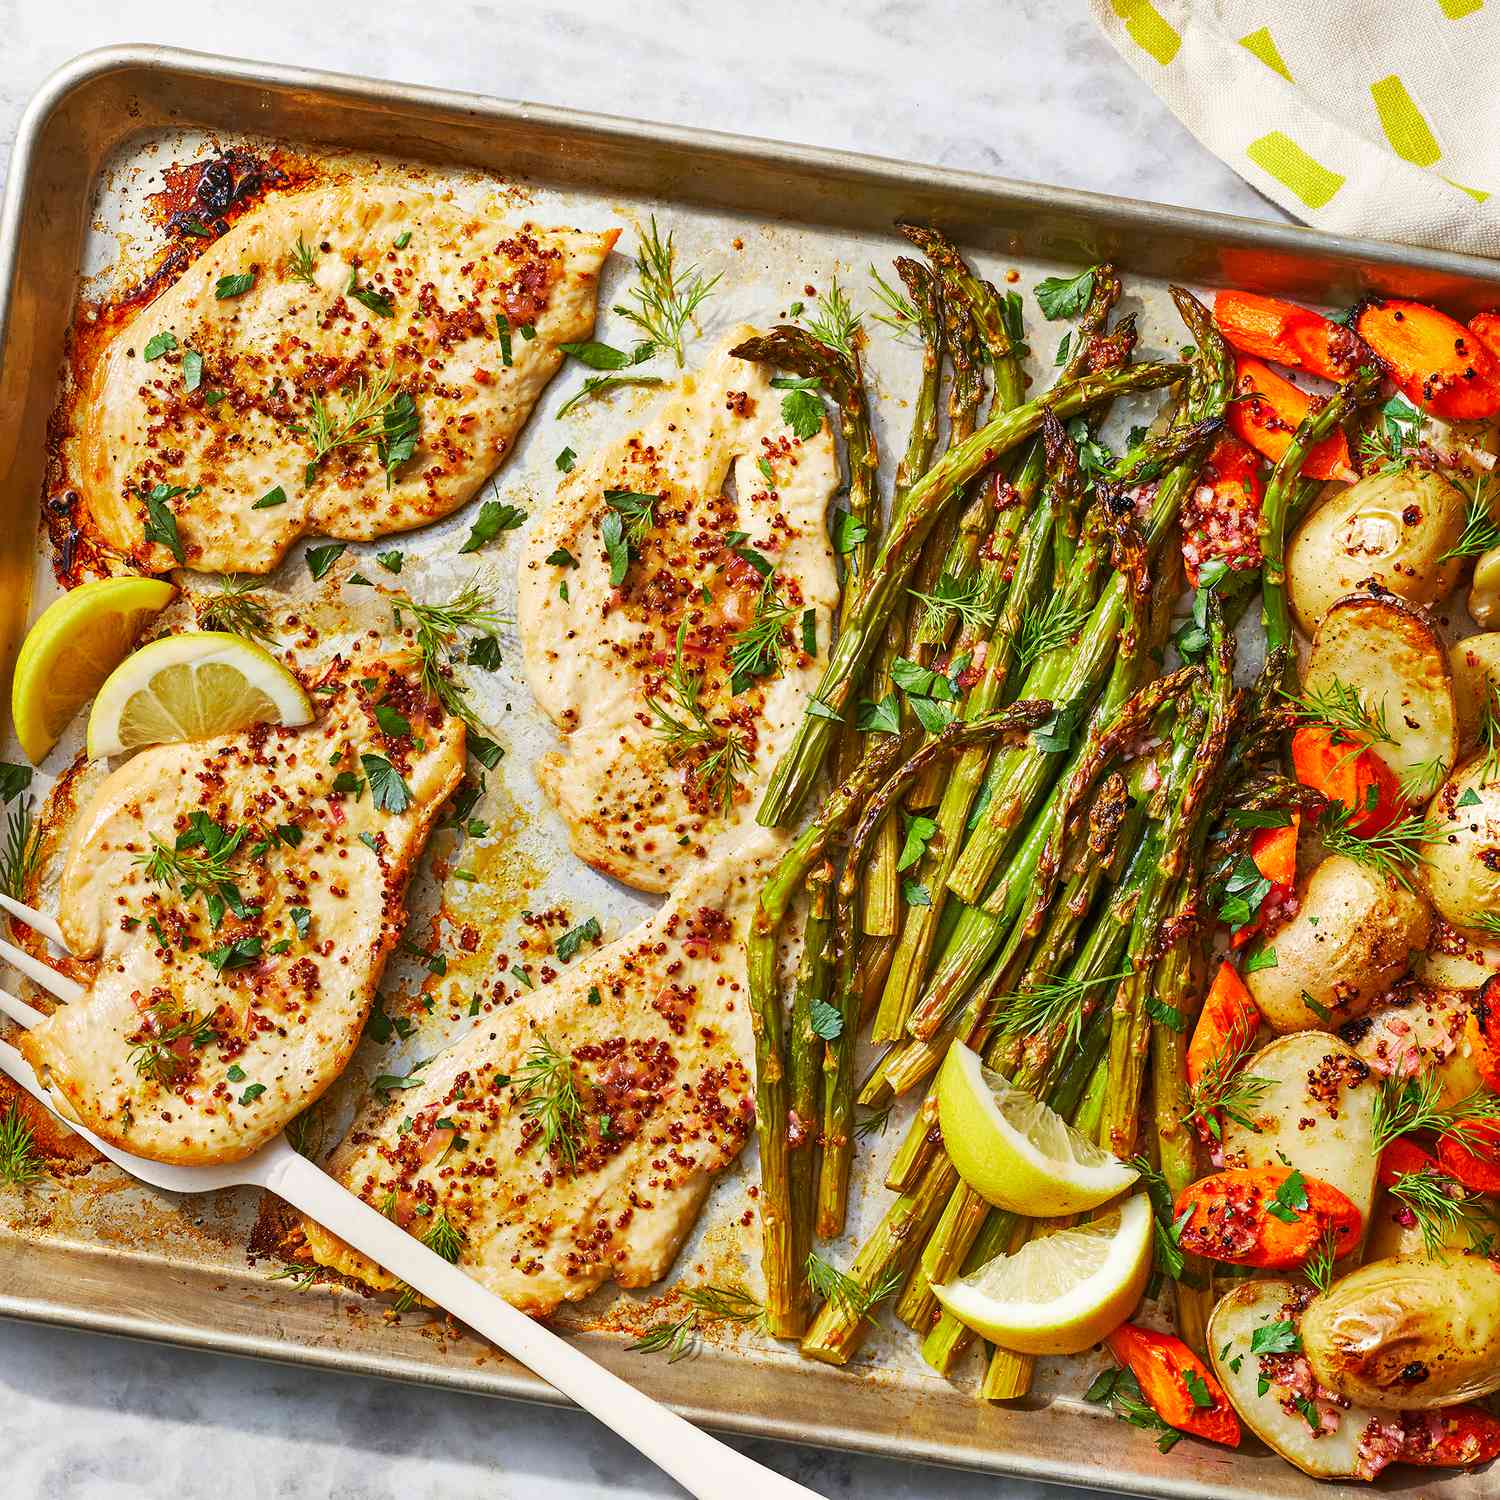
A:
[1016,1152]
[1062,1292]
[75,644]
[192,687]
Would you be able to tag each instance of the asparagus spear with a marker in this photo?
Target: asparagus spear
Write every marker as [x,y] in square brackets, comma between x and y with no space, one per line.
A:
[1357,391]
[838,1069]
[799,767]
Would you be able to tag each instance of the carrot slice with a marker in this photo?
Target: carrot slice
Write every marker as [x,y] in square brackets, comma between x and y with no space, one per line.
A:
[1268,412]
[1330,763]
[1274,851]
[1174,1380]
[1474,1157]
[1437,362]
[1271,1217]
[1270,328]
[1221,519]
[1401,1157]
[1450,1438]
[1227,1022]
[1486,326]
[1483,1033]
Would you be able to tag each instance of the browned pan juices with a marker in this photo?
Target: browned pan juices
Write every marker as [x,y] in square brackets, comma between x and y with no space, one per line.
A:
[118,161]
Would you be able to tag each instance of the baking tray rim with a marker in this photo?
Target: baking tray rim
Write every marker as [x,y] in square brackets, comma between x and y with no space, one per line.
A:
[505,1378]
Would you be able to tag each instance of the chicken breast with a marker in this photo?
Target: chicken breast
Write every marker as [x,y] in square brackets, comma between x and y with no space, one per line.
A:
[241,896]
[570,1139]
[333,366]
[672,631]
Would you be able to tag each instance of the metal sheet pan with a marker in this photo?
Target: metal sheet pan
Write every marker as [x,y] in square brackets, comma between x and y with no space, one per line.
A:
[100,1254]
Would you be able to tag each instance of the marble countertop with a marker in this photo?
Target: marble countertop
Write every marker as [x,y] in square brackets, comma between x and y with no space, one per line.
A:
[1031,91]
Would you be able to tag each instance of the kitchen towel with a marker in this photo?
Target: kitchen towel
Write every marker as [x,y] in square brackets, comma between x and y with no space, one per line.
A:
[1377,117]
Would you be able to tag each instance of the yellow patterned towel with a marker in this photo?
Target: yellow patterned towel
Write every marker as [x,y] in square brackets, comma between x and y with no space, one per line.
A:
[1377,117]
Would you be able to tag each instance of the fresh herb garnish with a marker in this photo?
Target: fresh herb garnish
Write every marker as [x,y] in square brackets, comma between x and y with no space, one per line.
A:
[664,298]
[493,518]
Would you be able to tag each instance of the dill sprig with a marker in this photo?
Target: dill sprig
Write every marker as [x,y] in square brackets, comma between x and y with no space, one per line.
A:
[1394,852]
[678,1338]
[1417,783]
[675,1340]
[1223,1092]
[1054,1003]
[445,1238]
[1489,736]
[1318,1268]
[686,730]
[755,651]
[971,604]
[1047,627]
[239,608]
[300,261]
[901,314]
[1411,1104]
[21,850]
[833,322]
[665,298]
[375,411]
[20,1161]
[842,1291]
[303,1278]
[1338,706]
[1481,532]
[440,630]
[153,1056]
[1441,1207]
[1387,447]
[875,1122]
[199,862]
[549,1094]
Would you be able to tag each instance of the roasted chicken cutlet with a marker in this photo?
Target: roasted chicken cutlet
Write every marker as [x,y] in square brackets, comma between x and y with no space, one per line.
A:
[348,361]
[240,896]
[672,629]
[571,1138]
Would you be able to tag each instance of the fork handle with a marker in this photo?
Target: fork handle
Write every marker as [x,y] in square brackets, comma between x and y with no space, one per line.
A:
[701,1464]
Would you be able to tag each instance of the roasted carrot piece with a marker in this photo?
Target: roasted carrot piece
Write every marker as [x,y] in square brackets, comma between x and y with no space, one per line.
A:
[1162,1366]
[1221,519]
[1483,1033]
[1450,1438]
[1437,362]
[1486,326]
[1474,1157]
[1268,412]
[1401,1157]
[1286,334]
[1227,1022]
[1344,772]
[1274,851]
[1270,1217]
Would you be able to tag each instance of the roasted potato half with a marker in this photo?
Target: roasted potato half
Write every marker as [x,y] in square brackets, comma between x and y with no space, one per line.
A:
[1475,666]
[1425,1031]
[1461,867]
[1352,938]
[1392,657]
[1393,1232]
[1408,1333]
[1392,529]
[1316,1113]
[1268,1308]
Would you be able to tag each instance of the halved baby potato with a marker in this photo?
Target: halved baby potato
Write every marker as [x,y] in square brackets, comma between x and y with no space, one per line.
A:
[1425,1031]
[1484,589]
[1408,1333]
[1392,530]
[1268,1309]
[1392,657]
[1475,666]
[1316,1114]
[1461,866]
[1353,936]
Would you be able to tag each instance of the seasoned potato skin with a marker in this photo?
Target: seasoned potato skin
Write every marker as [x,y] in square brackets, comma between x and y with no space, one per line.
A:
[1351,939]
[1461,870]
[1408,1333]
[1392,528]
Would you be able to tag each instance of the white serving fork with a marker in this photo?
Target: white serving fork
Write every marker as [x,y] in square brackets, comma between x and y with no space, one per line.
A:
[701,1464]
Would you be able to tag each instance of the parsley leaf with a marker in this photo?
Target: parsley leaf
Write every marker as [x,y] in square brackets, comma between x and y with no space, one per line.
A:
[234,286]
[826,1020]
[321,559]
[493,518]
[1063,296]
[1290,1199]
[572,941]
[159,344]
[802,411]
[271,499]
[388,788]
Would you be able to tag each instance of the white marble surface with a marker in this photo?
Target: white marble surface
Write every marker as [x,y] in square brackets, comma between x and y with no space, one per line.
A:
[1024,88]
